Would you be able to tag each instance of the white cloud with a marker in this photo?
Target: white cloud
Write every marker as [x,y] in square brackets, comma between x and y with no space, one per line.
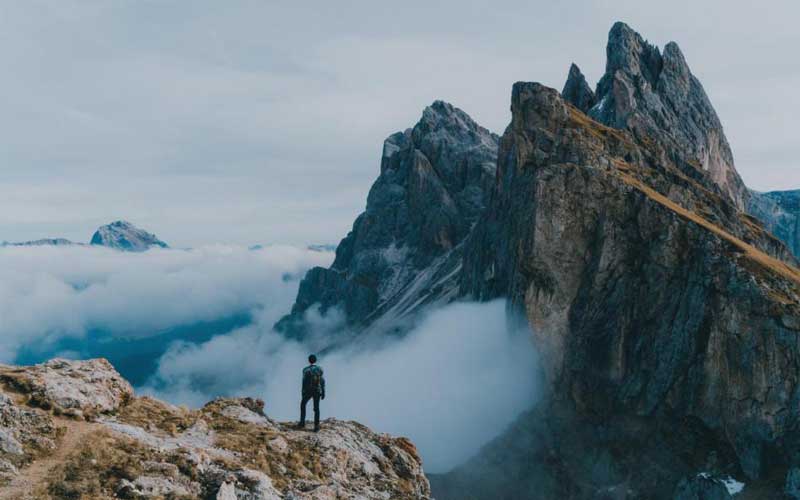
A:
[458,379]
[51,293]
[454,382]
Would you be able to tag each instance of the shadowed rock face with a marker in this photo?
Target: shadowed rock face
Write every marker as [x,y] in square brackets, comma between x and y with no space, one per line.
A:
[404,249]
[655,96]
[577,91]
[643,297]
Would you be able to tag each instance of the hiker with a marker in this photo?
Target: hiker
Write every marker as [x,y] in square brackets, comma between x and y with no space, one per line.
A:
[313,388]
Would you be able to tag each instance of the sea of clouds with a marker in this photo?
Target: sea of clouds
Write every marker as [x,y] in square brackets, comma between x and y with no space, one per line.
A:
[454,382]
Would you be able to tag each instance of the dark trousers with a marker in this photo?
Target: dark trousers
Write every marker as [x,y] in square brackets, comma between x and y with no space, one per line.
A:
[303,404]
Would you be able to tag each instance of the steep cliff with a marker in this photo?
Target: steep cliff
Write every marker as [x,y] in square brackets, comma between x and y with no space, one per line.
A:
[404,251]
[656,306]
[75,429]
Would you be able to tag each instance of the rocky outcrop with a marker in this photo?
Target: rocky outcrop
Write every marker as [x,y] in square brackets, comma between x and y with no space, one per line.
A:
[780,213]
[139,447]
[577,91]
[404,251]
[656,97]
[122,235]
[77,388]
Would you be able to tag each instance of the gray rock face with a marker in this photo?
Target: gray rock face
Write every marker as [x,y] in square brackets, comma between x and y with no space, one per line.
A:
[655,95]
[404,249]
[597,225]
[780,213]
[577,91]
[122,235]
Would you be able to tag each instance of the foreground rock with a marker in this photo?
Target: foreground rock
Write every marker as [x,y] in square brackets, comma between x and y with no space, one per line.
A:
[139,447]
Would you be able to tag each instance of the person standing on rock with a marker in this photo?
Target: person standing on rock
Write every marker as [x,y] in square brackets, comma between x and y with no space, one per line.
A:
[313,388]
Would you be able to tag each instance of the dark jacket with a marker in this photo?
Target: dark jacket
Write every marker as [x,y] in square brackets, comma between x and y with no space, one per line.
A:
[312,373]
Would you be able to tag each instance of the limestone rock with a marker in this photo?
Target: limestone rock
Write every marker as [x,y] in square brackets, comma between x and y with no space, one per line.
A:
[80,388]
[148,449]
[601,222]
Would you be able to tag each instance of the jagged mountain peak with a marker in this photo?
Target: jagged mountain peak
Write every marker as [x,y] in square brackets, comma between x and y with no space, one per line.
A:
[628,51]
[434,183]
[123,235]
[577,91]
[655,95]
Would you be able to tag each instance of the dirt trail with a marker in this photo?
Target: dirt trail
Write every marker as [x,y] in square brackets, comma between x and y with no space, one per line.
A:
[33,478]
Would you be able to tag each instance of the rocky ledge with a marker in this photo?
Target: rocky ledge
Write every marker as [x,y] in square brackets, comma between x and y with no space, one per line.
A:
[75,429]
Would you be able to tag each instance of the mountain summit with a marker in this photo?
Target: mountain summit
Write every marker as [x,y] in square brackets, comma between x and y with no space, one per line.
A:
[404,250]
[123,235]
[655,95]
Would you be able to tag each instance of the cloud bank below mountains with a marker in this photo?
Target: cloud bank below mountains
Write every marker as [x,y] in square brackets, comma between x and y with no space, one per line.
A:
[458,379]
[49,294]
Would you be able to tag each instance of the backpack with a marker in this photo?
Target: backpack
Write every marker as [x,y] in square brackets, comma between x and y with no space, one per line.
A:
[315,380]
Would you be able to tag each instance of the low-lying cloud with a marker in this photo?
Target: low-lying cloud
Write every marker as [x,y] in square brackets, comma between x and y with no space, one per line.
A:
[49,294]
[457,380]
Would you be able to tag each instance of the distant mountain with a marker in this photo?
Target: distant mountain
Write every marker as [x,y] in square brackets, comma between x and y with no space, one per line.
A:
[325,247]
[780,212]
[123,235]
[39,243]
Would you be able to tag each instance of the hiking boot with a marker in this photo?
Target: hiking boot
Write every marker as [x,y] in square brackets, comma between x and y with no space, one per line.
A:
[301,425]
[316,428]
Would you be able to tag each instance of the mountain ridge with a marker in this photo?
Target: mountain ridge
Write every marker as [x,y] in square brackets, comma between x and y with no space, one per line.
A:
[619,235]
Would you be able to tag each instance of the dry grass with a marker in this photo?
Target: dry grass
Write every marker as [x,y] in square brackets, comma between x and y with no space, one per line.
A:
[97,467]
[753,259]
[752,254]
[149,413]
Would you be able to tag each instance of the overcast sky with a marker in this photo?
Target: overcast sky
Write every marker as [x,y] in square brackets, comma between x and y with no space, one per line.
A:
[261,122]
